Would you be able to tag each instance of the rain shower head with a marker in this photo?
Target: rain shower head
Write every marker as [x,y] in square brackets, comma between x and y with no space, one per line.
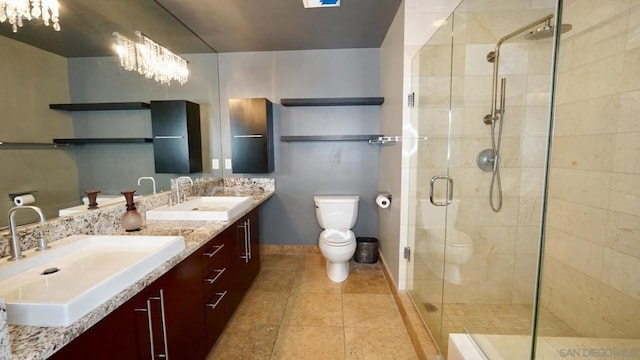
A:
[546,31]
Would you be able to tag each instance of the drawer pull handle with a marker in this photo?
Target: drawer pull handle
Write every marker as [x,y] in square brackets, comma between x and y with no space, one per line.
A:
[211,281]
[248,136]
[213,306]
[168,137]
[210,254]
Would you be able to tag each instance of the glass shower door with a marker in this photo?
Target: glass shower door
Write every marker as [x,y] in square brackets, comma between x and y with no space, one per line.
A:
[499,129]
[430,119]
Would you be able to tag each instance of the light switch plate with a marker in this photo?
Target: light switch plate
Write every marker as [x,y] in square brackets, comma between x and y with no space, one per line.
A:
[227,164]
[215,164]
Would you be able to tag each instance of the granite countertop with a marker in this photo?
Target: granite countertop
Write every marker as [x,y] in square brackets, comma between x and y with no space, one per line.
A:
[31,343]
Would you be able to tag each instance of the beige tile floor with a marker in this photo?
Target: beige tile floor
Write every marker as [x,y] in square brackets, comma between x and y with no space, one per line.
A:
[293,311]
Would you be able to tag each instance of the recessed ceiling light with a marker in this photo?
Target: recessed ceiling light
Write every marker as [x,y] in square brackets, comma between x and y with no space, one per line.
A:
[320,3]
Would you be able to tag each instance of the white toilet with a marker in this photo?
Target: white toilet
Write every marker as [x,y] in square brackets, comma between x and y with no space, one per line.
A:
[441,254]
[337,215]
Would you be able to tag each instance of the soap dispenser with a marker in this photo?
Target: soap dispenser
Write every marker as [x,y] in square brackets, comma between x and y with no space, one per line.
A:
[132,220]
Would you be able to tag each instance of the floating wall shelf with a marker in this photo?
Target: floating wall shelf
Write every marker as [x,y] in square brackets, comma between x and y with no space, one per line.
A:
[88,141]
[31,146]
[101,106]
[349,101]
[329,138]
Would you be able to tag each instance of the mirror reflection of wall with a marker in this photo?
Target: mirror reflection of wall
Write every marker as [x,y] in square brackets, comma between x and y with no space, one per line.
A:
[33,78]
[113,168]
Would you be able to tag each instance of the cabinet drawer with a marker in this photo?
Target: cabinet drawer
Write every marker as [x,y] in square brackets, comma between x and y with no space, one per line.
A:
[217,313]
[213,255]
[217,280]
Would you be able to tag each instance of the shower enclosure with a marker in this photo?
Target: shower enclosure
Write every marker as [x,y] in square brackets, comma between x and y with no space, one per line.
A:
[524,200]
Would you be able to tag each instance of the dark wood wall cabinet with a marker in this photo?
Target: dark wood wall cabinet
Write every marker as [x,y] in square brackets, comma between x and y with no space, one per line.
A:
[251,122]
[177,147]
[182,314]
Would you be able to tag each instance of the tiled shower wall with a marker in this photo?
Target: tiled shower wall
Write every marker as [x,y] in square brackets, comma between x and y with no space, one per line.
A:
[592,255]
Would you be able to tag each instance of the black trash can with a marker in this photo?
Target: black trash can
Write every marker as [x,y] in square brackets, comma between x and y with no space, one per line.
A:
[366,250]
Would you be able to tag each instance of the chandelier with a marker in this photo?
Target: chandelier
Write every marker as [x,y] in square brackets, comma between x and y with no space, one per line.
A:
[150,59]
[17,10]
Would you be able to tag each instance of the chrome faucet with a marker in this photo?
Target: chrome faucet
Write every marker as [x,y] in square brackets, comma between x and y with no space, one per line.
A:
[14,245]
[190,180]
[148,178]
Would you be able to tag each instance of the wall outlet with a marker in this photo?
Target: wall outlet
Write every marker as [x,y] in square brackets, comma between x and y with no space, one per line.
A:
[215,164]
[227,164]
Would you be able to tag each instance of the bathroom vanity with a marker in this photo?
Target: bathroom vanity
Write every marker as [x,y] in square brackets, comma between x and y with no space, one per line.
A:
[181,314]
[178,309]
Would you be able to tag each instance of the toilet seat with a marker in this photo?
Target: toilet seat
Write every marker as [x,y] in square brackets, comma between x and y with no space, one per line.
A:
[337,237]
[455,238]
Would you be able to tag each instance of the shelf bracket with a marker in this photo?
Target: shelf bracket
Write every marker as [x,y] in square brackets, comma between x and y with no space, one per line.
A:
[386,140]
[394,139]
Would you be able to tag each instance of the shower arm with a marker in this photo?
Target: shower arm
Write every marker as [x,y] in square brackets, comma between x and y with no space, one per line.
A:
[496,61]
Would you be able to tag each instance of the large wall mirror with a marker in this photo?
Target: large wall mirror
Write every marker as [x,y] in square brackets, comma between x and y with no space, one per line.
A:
[40,66]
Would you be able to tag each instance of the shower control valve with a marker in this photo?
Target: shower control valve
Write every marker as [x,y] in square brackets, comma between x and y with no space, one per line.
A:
[490,119]
[486,160]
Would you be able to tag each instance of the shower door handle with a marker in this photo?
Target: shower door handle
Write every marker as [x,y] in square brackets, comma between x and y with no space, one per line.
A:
[449,199]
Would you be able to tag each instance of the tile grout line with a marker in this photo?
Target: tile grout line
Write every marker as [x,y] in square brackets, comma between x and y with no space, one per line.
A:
[344,330]
[273,347]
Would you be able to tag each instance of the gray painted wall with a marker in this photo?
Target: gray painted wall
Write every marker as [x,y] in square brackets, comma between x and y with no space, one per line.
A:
[114,168]
[31,79]
[391,69]
[303,169]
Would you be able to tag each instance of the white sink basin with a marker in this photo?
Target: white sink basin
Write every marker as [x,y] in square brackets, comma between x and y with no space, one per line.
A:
[221,208]
[92,269]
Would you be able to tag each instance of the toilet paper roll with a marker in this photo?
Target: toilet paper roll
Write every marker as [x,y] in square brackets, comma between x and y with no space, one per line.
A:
[25,199]
[383,201]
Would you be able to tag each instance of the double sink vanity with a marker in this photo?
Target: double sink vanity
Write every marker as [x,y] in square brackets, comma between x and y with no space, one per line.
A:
[165,291]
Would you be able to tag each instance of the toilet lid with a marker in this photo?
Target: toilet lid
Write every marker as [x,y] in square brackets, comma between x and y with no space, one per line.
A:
[337,237]
[454,237]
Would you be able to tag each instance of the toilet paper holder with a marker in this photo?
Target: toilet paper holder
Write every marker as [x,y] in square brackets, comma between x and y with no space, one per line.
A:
[387,195]
[383,200]
[15,195]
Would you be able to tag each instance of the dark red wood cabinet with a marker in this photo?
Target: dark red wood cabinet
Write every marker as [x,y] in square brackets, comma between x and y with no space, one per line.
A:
[182,314]
[235,271]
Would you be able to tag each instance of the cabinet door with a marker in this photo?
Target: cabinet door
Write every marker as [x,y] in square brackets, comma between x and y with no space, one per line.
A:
[249,255]
[176,136]
[113,337]
[253,241]
[182,294]
[251,123]
[170,319]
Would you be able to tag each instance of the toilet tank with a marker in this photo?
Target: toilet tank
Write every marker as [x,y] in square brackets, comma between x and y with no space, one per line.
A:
[336,212]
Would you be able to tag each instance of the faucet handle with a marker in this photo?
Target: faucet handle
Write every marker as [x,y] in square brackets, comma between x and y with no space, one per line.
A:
[43,243]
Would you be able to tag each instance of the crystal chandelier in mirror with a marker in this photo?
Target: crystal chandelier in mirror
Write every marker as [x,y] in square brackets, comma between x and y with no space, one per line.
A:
[150,59]
[15,11]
